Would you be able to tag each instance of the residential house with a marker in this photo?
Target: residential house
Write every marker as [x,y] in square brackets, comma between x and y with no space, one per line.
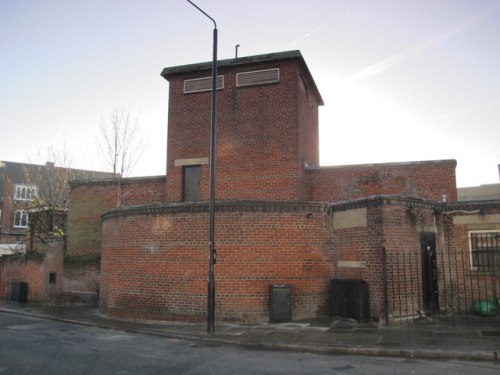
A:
[28,188]
[33,211]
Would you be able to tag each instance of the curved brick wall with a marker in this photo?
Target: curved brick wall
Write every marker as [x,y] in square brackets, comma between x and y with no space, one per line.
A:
[155,260]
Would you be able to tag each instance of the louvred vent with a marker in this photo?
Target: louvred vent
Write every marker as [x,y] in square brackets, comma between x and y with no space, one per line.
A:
[202,84]
[258,77]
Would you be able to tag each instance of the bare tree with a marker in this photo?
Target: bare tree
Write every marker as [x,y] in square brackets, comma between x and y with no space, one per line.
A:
[51,178]
[45,193]
[120,143]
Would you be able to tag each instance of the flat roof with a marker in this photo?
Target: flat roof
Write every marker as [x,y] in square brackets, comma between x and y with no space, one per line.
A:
[247,60]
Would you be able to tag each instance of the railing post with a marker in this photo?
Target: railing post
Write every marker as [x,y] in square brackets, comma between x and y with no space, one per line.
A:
[386,289]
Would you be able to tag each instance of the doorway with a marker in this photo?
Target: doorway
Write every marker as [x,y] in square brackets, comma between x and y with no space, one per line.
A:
[191,183]
[430,291]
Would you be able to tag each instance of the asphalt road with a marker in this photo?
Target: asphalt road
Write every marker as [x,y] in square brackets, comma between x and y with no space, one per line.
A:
[37,346]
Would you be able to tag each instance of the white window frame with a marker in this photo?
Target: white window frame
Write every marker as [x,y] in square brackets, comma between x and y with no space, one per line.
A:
[24,192]
[471,250]
[19,223]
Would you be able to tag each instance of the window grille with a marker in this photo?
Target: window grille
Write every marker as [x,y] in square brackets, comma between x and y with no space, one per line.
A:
[485,250]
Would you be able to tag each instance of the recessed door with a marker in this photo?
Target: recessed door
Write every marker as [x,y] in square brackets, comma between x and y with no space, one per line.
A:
[191,183]
[430,289]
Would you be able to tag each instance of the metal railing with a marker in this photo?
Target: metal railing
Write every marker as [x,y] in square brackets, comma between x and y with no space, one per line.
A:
[462,281]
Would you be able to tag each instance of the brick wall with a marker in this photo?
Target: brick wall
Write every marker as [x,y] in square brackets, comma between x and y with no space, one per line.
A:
[90,199]
[378,240]
[357,253]
[426,180]
[86,204]
[404,222]
[380,245]
[142,190]
[155,260]
[6,205]
[80,279]
[308,134]
[35,269]
[464,285]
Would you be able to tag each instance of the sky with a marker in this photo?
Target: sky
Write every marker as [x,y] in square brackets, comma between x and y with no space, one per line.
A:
[402,80]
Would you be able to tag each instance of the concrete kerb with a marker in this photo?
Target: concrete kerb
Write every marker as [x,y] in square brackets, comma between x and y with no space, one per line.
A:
[261,343]
[377,352]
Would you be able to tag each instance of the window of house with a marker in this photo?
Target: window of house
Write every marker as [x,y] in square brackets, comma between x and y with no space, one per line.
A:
[484,248]
[21,219]
[191,183]
[24,192]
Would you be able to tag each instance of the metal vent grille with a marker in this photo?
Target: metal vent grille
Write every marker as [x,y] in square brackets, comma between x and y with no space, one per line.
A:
[258,77]
[202,84]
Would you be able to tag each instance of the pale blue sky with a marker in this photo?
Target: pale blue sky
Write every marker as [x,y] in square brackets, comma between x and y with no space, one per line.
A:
[401,80]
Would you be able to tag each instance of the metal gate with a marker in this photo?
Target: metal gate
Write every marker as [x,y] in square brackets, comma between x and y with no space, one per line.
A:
[443,283]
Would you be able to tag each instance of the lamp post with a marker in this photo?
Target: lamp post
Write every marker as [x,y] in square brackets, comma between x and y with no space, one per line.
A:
[213,128]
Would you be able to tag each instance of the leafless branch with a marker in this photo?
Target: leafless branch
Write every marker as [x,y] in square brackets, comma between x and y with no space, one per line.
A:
[120,143]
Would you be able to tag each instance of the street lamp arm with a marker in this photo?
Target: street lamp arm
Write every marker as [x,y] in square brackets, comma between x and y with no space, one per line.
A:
[202,11]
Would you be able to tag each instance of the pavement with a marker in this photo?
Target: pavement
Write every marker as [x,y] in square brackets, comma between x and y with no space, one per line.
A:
[427,338]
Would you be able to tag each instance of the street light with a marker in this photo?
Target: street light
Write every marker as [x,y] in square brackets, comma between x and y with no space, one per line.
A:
[213,127]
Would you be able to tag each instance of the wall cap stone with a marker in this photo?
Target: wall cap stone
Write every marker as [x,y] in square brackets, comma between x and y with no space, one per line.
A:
[384,200]
[320,169]
[116,181]
[223,206]
[473,205]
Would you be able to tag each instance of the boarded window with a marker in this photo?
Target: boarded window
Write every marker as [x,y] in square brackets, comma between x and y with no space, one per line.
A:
[191,183]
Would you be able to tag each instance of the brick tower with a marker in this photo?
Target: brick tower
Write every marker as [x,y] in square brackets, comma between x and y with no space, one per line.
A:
[267,128]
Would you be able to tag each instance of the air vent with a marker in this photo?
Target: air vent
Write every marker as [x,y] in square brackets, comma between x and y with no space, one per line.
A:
[202,84]
[258,77]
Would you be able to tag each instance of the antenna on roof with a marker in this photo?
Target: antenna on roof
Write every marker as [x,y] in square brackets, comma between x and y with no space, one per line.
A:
[236,51]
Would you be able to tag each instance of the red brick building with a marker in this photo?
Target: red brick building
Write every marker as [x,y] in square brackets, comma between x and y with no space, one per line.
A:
[281,219]
[25,186]
[33,203]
